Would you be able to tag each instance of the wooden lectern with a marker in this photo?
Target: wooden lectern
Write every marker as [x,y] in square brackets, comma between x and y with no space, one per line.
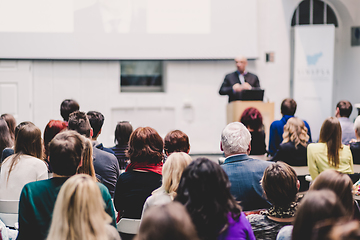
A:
[236,108]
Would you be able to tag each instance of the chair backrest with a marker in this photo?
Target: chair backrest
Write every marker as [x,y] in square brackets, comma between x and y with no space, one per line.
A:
[129,226]
[9,212]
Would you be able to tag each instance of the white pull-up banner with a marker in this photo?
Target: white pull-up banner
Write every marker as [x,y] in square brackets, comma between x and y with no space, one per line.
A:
[313,74]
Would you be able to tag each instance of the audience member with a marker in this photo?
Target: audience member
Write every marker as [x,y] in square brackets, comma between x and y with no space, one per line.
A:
[52,128]
[176,141]
[123,131]
[79,212]
[165,222]
[105,164]
[171,174]
[280,185]
[343,112]
[11,122]
[293,148]
[341,185]
[329,152]
[244,172]
[204,190]
[96,120]
[5,136]
[142,175]
[25,165]
[315,207]
[288,109]
[252,119]
[10,150]
[87,166]
[355,143]
[68,106]
[37,199]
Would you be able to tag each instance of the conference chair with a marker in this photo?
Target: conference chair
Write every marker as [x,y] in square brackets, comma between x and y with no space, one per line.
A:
[128,225]
[9,212]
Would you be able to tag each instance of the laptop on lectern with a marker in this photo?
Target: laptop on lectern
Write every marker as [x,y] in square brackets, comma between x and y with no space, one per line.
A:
[250,95]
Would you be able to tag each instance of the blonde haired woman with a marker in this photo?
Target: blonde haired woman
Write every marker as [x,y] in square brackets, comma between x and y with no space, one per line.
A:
[79,212]
[171,174]
[292,150]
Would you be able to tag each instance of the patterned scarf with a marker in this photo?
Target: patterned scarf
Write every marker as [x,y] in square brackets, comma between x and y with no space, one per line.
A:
[281,212]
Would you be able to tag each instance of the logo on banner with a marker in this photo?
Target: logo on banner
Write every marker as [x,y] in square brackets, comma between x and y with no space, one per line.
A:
[311,70]
[313,59]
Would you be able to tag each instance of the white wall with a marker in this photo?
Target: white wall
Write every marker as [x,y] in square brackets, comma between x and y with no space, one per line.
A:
[191,98]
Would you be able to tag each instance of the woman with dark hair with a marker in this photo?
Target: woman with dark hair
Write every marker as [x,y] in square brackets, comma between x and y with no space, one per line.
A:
[11,122]
[329,152]
[315,207]
[252,119]
[340,184]
[5,137]
[25,165]
[204,190]
[280,185]
[167,222]
[123,131]
[10,150]
[292,150]
[142,175]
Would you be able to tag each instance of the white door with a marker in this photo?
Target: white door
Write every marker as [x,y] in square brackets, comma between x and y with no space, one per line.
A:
[16,89]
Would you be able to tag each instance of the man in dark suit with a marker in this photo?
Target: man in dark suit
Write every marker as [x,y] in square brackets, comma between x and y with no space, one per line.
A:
[239,80]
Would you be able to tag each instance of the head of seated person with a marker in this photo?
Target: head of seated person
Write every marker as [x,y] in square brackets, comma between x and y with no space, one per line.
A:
[28,141]
[288,107]
[172,171]
[173,220]
[96,120]
[11,122]
[145,146]
[176,141]
[123,131]
[281,186]
[296,132]
[204,190]
[330,133]
[5,136]
[235,139]
[79,122]
[340,184]
[79,211]
[316,207]
[343,109]
[68,106]
[52,128]
[252,119]
[65,153]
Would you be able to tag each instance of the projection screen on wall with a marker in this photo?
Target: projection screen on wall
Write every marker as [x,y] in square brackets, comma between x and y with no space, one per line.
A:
[128,29]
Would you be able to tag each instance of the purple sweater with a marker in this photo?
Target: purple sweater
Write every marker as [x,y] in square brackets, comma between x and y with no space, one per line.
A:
[240,229]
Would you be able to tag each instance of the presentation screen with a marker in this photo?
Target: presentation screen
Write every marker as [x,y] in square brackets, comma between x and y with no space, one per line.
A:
[128,29]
